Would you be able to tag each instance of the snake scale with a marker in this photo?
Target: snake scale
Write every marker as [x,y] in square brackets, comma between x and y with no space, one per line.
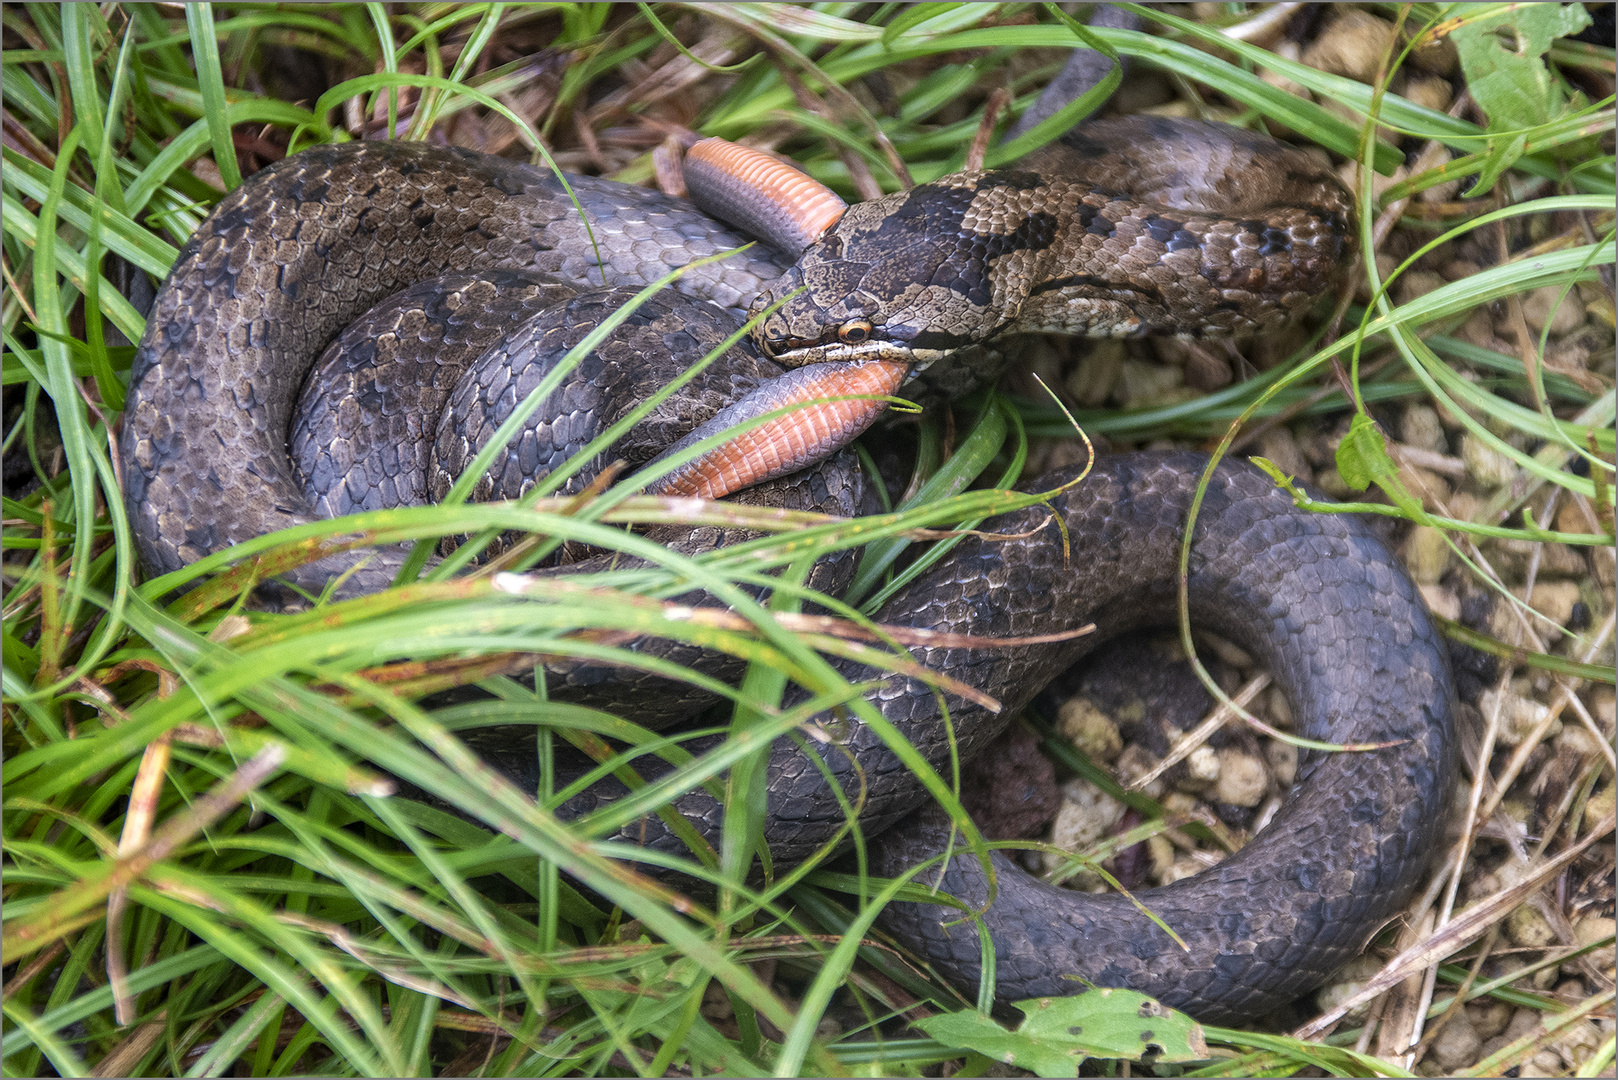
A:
[1133,227]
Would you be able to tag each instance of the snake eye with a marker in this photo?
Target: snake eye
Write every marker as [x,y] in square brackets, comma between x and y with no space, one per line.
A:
[854,332]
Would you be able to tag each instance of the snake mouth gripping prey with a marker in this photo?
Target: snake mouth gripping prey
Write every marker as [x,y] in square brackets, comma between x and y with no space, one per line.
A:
[344,330]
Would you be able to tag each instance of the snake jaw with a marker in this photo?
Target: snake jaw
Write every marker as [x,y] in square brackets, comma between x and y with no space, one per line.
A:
[834,351]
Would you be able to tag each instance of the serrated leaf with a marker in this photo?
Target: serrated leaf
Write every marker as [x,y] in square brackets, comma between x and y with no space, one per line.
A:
[1060,1033]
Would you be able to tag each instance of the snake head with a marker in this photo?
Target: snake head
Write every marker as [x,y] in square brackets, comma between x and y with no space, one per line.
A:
[907,278]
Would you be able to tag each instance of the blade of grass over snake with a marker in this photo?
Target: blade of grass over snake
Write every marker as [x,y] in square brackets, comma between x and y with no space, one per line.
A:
[977,450]
[607,438]
[211,85]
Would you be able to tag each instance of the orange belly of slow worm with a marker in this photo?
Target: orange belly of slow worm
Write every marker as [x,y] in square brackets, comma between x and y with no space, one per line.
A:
[788,442]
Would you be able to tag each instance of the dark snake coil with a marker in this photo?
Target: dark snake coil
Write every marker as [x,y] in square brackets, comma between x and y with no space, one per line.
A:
[1099,243]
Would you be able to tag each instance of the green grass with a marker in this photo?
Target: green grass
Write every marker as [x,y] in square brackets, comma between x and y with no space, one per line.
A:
[204,872]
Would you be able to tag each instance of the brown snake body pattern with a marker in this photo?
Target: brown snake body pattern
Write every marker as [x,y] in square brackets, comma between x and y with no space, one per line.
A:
[937,276]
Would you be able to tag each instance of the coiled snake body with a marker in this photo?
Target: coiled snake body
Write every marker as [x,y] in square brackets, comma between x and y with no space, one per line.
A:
[1174,228]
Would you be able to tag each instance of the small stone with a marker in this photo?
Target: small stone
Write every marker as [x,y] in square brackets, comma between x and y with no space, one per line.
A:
[1528,928]
[1182,868]
[1542,1063]
[1414,284]
[1278,708]
[1441,601]
[1489,1016]
[1419,427]
[1426,485]
[1206,370]
[1438,57]
[1594,928]
[1089,729]
[1426,554]
[1523,1021]
[1579,741]
[1456,269]
[1087,813]
[1279,446]
[1478,329]
[1178,802]
[1227,650]
[1201,769]
[1553,599]
[1331,482]
[1283,759]
[1161,851]
[1570,518]
[1550,305]
[1137,761]
[1430,92]
[1603,706]
[1598,806]
[1485,464]
[1457,1044]
[1353,45]
[1242,779]
[1144,385]
[1350,981]
[1096,373]
[1561,560]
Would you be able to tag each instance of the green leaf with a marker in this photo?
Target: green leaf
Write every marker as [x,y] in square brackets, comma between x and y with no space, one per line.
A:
[1362,456]
[1512,84]
[1362,459]
[1060,1033]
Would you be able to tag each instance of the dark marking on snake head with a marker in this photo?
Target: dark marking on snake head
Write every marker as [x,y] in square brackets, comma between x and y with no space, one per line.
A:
[974,279]
[1163,229]
[1183,241]
[1276,242]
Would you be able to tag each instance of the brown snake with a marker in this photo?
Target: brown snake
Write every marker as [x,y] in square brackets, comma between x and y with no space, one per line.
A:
[1178,228]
